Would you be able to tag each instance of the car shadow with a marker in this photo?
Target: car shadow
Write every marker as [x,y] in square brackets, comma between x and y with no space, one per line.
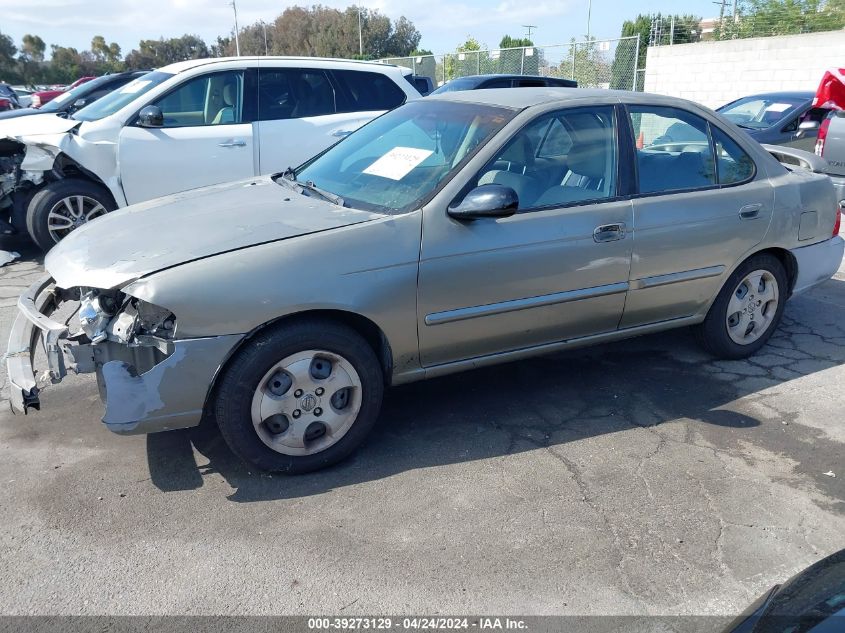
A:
[22,245]
[533,404]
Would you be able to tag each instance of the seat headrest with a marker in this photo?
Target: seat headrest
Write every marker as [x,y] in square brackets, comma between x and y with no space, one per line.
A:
[519,151]
[229,93]
[588,159]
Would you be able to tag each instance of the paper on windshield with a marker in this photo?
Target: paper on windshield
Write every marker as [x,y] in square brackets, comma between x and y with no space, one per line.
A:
[62,97]
[132,88]
[396,164]
[779,107]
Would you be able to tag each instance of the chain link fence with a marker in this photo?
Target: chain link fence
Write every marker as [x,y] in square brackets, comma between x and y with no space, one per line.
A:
[592,63]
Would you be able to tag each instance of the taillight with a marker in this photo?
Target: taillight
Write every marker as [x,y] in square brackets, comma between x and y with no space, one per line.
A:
[822,136]
[838,221]
[5,103]
[36,101]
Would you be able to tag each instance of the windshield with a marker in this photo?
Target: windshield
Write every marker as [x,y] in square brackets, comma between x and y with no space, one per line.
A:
[115,100]
[759,113]
[70,96]
[455,85]
[397,161]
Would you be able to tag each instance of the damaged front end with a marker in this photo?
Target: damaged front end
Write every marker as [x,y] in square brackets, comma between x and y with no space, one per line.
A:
[148,379]
[11,157]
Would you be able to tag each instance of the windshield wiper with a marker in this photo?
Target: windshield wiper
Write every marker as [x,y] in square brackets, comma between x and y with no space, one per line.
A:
[290,175]
[310,186]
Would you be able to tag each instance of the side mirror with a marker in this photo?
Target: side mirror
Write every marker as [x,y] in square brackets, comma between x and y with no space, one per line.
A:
[79,103]
[806,127]
[150,116]
[486,201]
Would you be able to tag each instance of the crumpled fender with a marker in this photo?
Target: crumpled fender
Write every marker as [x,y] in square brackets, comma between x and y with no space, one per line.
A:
[54,136]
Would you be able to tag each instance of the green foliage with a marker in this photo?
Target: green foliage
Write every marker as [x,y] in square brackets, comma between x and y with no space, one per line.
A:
[762,18]
[514,42]
[321,31]
[8,67]
[314,31]
[677,29]
[157,53]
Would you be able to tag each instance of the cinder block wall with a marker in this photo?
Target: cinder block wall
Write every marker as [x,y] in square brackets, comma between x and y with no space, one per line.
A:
[714,73]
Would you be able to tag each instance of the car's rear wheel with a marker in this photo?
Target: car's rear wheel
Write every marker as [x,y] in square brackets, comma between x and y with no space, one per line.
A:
[299,397]
[747,310]
[63,206]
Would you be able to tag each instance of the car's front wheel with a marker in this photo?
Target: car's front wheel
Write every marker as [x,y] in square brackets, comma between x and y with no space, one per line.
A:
[63,206]
[747,310]
[299,397]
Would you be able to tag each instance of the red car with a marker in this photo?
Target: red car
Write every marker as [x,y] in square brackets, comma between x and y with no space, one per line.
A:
[45,96]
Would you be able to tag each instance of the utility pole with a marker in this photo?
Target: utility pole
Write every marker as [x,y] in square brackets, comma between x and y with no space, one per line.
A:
[360,36]
[237,39]
[529,27]
[589,15]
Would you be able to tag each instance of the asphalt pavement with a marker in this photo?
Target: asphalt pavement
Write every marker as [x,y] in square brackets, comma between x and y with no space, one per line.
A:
[640,477]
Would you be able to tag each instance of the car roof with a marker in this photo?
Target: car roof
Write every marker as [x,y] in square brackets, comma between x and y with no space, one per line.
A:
[784,94]
[505,76]
[527,97]
[180,67]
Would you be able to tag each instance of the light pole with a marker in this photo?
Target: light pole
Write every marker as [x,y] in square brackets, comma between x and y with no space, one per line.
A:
[237,40]
[264,26]
[360,36]
[589,15]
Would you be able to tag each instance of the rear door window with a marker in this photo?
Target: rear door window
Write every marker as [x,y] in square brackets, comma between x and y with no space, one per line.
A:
[733,165]
[673,149]
[294,93]
[366,91]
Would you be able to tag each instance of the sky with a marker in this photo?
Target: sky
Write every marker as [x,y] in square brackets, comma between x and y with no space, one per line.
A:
[444,24]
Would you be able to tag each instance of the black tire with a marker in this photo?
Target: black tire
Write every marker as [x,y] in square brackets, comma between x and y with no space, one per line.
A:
[240,379]
[49,195]
[713,334]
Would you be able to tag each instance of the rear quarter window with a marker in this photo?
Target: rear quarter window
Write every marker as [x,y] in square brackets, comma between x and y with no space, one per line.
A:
[366,91]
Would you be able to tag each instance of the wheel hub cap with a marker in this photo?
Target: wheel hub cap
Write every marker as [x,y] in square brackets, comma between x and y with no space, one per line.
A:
[306,402]
[753,306]
[309,402]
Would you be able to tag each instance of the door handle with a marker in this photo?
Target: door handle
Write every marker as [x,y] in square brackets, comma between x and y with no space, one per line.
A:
[609,232]
[341,133]
[232,143]
[750,211]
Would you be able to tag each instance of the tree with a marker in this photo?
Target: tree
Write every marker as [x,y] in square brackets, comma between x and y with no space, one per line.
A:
[8,70]
[65,65]
[160,52]
[105,53]
[762,18]
[515,42]
[32,48]
[405,37]
[586,64]
[680,29]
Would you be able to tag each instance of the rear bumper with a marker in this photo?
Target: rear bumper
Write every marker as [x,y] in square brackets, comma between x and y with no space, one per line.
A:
[145,388]
[817,262]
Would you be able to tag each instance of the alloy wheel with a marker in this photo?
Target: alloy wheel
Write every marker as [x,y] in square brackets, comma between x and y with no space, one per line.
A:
[70,213]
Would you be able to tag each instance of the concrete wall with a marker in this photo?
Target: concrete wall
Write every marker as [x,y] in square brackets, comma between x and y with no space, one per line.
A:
[714,73]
